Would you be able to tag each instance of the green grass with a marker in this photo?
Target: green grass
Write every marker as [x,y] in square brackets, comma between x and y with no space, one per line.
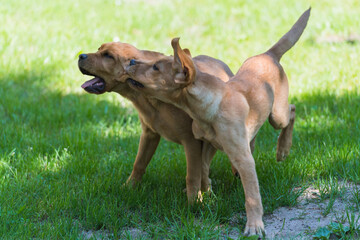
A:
[65,154]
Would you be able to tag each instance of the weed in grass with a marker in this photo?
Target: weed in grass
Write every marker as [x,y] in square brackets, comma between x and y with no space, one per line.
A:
[353,221]
[356,197]
[322,233]
[328,189]
[337,230]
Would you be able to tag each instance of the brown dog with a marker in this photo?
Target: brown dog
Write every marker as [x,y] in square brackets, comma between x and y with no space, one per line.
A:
[157,118]
[229,115]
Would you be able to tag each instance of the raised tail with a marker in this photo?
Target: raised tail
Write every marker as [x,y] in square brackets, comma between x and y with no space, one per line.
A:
[291,37]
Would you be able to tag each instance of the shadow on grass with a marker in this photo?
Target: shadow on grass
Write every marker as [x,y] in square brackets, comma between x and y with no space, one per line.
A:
[328,133]
[65,158]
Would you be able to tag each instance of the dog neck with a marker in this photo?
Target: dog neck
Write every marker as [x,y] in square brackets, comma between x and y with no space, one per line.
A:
[136,97]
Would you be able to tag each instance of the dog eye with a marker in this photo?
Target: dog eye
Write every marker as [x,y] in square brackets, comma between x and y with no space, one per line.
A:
[132,62]
[155,68]
[107,55]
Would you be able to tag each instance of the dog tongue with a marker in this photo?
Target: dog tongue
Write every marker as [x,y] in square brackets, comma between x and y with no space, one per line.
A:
[91,82]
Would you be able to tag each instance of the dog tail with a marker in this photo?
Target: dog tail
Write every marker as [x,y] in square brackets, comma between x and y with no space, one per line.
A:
[291,37]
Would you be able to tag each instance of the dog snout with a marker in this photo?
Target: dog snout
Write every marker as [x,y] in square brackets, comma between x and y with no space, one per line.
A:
[83,56]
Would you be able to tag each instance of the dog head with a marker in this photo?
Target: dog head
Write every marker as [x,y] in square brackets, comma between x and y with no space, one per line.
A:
[107,66]
[165,76]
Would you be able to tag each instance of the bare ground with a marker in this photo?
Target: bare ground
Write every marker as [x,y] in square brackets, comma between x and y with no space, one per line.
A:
[311,213]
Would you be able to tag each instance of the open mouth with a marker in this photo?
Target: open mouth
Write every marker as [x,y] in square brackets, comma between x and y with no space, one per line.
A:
[135,83]
[95,85]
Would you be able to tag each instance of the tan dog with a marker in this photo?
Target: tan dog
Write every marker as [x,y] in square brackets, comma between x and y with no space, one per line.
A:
[230,114]
[157,118]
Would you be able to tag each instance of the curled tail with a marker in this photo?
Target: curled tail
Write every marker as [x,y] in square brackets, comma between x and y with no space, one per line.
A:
[291,37]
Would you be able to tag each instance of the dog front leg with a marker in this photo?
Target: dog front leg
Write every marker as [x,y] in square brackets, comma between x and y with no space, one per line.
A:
[149,141]
[245,165]
[193,152]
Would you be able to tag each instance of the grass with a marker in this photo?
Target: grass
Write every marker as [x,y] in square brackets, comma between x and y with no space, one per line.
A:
[65,154]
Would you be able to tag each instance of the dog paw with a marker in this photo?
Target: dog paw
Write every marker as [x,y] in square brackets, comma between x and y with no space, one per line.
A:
[200,196]
[281,155]
[283,147]
[206,185]
[131,182]
[256,228]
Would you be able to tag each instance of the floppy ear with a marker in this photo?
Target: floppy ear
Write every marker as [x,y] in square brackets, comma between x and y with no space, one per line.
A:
[183,66]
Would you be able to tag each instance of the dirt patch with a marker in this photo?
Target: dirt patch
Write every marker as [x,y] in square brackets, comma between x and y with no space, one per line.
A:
[130,233]
[311,213]
[100,234]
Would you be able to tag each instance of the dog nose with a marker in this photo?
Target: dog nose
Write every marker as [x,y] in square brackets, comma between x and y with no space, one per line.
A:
[83,56]
[132,62]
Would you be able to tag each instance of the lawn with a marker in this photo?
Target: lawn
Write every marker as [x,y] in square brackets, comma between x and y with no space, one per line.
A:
[65,154]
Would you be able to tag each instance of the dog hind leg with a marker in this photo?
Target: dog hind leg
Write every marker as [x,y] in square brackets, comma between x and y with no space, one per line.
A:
[285,137]
[283,117]
[208,152]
